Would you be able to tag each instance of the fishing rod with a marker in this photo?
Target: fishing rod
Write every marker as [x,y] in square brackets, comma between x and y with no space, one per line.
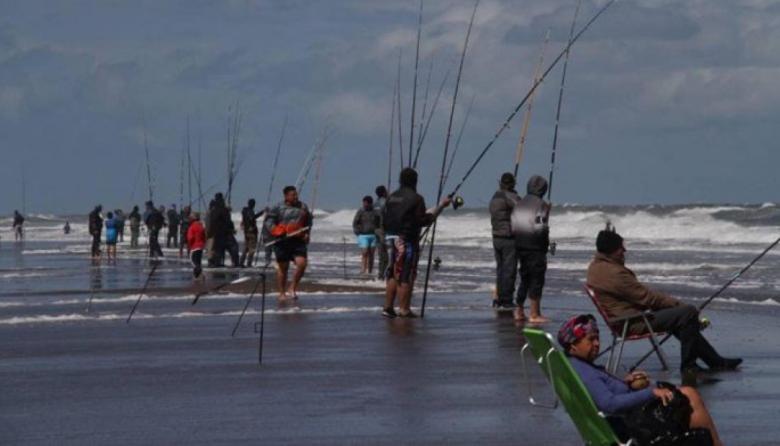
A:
[430,117]
[398,99]
[189,163]
[425,100]
[527,117]
[260,279]
[390,146]
[457,141]
[560,103]
[148,164]
[296,232]
[444,156]
[276,162]
[414,87]
[218,287]
[530,92]
[713,296]
[155,264]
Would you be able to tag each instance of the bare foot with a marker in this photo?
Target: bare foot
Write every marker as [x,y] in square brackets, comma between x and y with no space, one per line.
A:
[292,293]
[519,315]
[538,319]
[282,297]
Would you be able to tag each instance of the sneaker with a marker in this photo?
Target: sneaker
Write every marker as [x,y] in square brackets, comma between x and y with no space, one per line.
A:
[389,313]
[726,364]
[409,314]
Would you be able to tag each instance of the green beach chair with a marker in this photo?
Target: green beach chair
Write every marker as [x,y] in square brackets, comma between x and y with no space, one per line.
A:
[568,389]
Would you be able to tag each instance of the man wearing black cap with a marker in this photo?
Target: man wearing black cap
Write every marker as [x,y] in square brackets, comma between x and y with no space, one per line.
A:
[621,294]
[95,229]
[504,247]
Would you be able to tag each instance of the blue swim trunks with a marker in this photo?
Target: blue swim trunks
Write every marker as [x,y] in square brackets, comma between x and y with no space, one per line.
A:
[366,241]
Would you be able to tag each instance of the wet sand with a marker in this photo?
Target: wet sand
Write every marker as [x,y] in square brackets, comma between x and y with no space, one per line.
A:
[334,372]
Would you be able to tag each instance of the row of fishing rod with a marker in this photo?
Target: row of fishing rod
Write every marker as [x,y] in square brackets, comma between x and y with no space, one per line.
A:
[448,156]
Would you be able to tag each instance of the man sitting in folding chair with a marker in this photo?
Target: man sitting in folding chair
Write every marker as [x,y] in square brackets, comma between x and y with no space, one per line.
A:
[620,294]
[629,403]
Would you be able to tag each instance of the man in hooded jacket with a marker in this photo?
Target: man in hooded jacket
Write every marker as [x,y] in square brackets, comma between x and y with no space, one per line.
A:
[532,237]
[504,246]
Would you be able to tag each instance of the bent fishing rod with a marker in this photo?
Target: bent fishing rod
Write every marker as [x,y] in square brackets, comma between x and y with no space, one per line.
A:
[536,84]
[444,157]
[713,296]
[155,264]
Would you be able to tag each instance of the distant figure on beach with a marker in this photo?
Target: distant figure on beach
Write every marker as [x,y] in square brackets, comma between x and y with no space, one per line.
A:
[404,217]
[504,246]
[381,243]
[221,229]
[154,223]
[66,228]
[173,227]
[620,294]
[196,241]
[184,219]
[365,225]
[629,403]
[532,234]
[119,216]
[95,229]
[249,226]
[135,226]
[289,222]
[112,235]
[18,226]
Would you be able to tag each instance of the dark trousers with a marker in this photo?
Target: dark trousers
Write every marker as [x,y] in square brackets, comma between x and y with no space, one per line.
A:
[533,269]
[154,243]
[250,245]
[506,268]
[682,321]
[95,244]
[196,257]
[173,234]
[381,250]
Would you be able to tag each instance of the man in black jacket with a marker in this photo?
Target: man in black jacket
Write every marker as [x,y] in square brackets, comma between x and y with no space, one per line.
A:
[95,229]
[404,217]
[154,224]
[504,247]
[173,227]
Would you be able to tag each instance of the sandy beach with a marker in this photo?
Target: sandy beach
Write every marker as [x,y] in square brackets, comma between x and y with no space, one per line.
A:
[334,372]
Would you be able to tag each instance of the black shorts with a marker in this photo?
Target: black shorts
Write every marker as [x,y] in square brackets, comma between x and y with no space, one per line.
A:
[533,267]
[288,250]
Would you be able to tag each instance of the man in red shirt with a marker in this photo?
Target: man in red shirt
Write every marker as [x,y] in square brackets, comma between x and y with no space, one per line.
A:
[196,240]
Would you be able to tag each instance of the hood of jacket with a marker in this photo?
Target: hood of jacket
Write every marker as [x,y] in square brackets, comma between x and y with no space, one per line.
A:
[537,185]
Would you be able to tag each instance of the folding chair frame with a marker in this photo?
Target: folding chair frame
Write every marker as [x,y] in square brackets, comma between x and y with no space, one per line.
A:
[619,338]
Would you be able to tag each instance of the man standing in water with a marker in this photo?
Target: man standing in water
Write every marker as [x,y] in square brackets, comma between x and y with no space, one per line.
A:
[290,223]
[504,245]
[379,206]
[196,241]
[173,227]
[249,226]
[18,226]
[365,225]
[532,235]
[95,229]
[404,217]
[135,226]
[154,224]
[184,218]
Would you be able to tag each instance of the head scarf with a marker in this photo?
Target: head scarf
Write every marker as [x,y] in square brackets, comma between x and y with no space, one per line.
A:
[575,329]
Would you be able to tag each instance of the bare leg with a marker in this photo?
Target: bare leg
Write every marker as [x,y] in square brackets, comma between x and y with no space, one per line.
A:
[701,416]
[281,279]
[300,268]
[390,290]
[363,261]
[536,311]
[405,298]
[370,255]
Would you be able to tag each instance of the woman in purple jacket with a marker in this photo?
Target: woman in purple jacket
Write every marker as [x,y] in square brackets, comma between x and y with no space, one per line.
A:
[579,337]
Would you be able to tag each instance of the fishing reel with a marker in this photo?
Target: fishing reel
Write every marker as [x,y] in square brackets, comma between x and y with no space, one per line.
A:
[457,202]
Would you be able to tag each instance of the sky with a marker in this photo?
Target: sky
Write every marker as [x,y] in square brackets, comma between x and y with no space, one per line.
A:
[665,101]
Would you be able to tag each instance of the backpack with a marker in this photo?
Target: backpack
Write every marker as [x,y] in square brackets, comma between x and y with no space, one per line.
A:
[529,217]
